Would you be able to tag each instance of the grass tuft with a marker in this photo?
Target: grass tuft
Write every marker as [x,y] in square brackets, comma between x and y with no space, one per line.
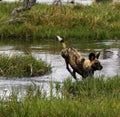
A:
[22,66]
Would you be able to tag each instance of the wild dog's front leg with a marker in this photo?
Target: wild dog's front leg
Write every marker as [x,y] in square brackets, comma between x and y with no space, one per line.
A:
[67,66]
[72,73]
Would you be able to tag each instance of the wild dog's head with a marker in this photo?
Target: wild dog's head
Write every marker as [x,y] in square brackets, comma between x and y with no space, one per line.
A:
[95,63]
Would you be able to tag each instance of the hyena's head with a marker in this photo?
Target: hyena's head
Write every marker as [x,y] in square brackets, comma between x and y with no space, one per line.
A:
[95,63]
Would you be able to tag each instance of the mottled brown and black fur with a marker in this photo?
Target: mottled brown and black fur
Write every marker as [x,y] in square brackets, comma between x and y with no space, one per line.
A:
[79,64]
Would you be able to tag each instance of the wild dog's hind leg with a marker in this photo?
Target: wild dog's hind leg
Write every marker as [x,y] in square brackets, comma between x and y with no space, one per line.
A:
[72,73]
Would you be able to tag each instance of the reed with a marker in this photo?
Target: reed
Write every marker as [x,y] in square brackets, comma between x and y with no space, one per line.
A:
[97,21]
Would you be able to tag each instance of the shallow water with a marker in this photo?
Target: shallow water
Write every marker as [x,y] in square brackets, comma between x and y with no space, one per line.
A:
[50,52]
[85,2]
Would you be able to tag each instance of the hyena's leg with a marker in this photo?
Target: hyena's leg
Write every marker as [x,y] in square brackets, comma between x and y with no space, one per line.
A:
[72,73]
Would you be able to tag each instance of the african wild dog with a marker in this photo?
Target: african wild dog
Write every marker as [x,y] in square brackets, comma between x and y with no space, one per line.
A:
[84,67]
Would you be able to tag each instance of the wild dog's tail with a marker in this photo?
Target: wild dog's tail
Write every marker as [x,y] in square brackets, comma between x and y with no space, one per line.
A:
[61,41]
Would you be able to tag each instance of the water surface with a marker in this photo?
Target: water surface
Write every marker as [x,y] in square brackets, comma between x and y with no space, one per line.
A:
[49,51]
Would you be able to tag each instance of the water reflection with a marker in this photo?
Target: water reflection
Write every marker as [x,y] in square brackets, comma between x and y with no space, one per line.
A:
[107,54]
[25,48]
[111,62]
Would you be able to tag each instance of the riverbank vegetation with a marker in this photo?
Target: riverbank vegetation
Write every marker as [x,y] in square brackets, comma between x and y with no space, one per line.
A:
[92,97]
[97,21]
[22,66]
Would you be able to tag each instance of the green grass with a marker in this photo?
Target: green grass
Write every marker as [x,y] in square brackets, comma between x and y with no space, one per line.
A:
[22,66]
[94,88]
[97,21]
[93,97]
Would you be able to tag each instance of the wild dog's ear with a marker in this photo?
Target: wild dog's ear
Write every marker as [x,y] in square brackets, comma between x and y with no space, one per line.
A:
[91,56]
[97,55]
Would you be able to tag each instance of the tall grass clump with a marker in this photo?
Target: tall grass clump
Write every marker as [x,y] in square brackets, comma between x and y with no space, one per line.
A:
[89,98]
[22,66]
[93,87]
[97,21]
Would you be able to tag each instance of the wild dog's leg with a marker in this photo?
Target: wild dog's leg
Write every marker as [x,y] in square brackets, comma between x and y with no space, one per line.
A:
[67,66]
[72,73]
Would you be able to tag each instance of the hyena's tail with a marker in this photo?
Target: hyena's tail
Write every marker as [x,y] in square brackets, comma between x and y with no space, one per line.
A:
[61,40]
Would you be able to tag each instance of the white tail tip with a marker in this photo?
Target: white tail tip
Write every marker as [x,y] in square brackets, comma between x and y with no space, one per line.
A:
[59,38]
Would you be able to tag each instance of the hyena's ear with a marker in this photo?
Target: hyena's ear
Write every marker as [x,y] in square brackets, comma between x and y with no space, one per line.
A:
[97,55]
[91,56]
